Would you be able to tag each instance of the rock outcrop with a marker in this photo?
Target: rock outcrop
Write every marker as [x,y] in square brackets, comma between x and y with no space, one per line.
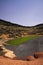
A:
[7,53]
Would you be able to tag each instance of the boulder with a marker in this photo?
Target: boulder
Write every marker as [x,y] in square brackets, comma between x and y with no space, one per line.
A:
[9,54]
[38,54]
[6,52]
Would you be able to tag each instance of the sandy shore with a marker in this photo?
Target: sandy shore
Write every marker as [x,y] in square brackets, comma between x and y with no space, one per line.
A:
[7,61]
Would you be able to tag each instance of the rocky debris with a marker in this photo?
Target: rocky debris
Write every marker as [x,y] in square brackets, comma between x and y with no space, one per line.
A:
[4,36]
[4,51]
[10,54]
[7,53]
[38,54]
[1,43]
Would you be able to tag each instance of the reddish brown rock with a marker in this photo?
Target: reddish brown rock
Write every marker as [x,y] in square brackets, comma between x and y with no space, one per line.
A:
[38,54]
[30,58]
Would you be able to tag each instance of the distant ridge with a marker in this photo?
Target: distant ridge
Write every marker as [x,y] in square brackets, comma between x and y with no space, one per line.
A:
[9,23]
[16,30]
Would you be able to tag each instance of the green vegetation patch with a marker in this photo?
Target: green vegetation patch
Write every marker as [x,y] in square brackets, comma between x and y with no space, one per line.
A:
[21,40]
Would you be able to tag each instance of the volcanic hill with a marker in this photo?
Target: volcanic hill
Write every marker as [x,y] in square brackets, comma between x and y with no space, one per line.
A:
[13,30]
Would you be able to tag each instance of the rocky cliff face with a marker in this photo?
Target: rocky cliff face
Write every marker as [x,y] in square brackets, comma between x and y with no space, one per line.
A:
[14,30]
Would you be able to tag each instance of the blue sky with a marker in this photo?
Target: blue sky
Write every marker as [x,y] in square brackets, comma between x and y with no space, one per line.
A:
[23,12]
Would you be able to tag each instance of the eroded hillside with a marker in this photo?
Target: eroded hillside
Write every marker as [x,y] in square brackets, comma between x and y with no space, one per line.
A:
[12,30]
